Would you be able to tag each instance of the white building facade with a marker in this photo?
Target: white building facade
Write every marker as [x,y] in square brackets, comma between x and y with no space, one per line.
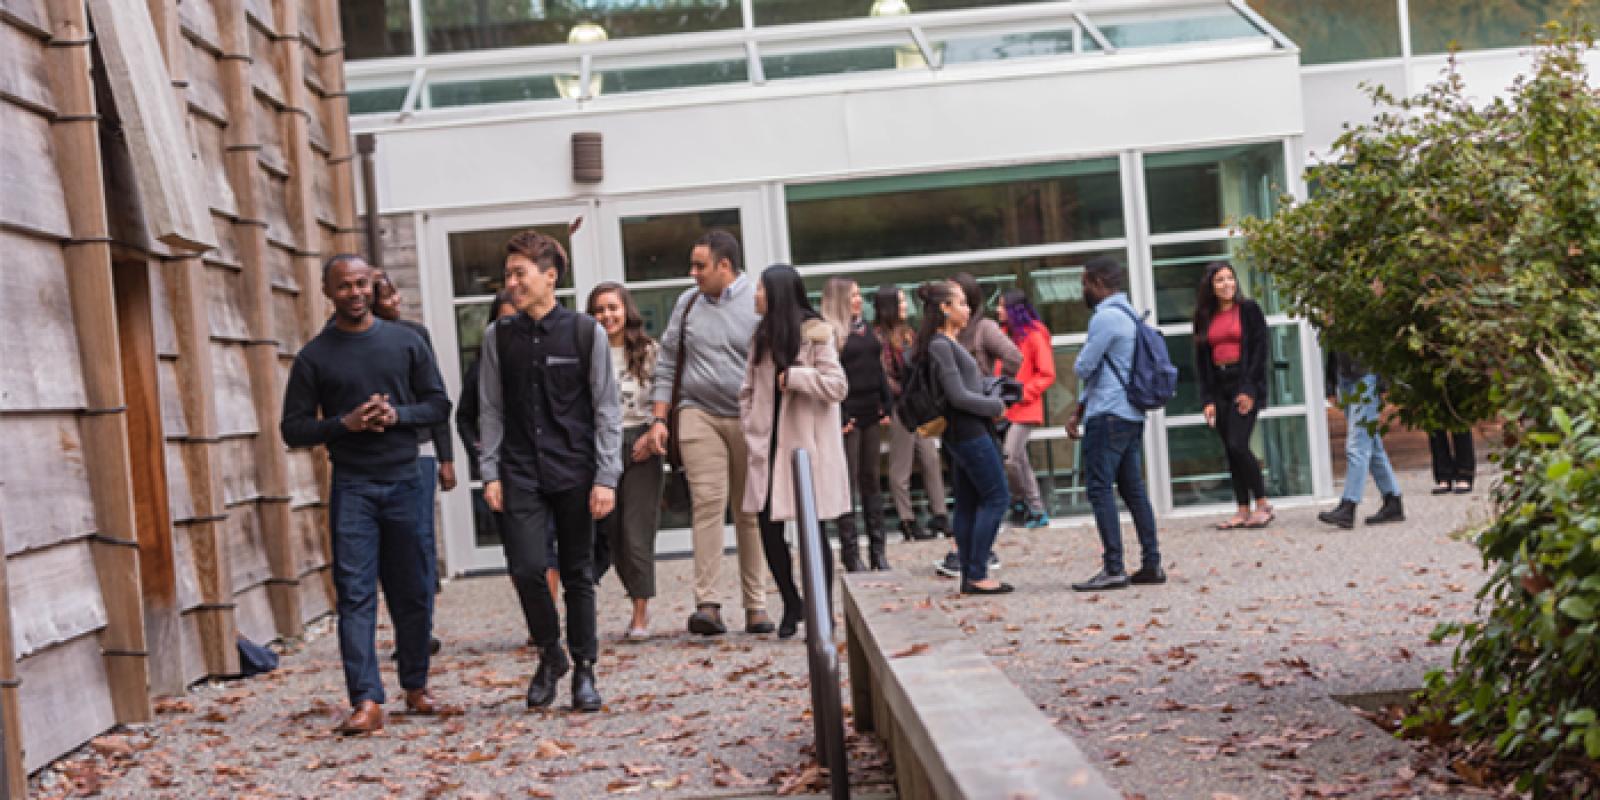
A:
[894,144]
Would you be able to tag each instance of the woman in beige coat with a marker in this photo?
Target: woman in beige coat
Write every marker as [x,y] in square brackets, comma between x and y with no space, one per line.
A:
[793,386]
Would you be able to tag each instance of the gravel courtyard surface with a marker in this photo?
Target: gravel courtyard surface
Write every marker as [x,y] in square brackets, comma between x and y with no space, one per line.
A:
[1221,683]
[685,717]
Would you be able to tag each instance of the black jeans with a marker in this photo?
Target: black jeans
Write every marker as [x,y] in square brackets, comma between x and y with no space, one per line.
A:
[1453,456]
[782,566]
[1235,430]
[525,528]
[862,448]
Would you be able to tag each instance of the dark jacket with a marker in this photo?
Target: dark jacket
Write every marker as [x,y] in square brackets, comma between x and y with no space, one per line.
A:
[443,446]
[1252,360]
[868,400]
[467,418]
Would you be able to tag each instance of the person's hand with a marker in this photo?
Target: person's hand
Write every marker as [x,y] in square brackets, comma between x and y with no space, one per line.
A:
[849,425]
[1075,423]
[783,381]
[361,417]
[601,500]
[1244,403]
[656,437]
[643,448]
[447,475]
[884,420]
[491,496]
[1211,414]
[384,416]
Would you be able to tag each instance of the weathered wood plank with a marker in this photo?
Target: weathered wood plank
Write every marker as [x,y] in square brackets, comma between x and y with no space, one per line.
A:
[55,596]
[30,13]
[39,359]
[174,423]
[227,252]
[316,107]
[194,662]
[269,132]
[247,547]
[314,601]
[264,71]
[263,15]
[253,611]
[67,702]
[23,69]
[281,268]
[272,194]
[286,322]
[205,84]
[240,479]
[165,165]
[183,557]
[180,498]
[16,784]
[224,289]
[312,65]
[166,331]
[327,202]
[219,192]
[198,19]
[311,529]
[33,198]
[231,390]
[44,483]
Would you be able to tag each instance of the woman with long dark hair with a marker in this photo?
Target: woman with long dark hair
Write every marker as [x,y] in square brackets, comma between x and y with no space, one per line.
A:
[1230,357]
[975,468]
[866,406]
[630,529]
[790,399]
[906,449]
[1037,374]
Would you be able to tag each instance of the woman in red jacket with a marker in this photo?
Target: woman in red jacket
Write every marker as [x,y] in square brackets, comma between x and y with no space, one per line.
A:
[1037,373]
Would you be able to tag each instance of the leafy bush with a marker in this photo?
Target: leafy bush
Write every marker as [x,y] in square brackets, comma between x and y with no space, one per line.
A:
[1456,250]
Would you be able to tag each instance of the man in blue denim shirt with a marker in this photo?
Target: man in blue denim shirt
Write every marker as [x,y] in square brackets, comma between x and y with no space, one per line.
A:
[1113,430]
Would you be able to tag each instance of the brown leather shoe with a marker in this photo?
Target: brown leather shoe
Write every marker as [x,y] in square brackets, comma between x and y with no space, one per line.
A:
[366,718]
[707,620]
[420,701]
[757,621]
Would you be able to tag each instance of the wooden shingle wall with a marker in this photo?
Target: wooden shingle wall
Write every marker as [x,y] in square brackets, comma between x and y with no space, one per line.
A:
[261,82]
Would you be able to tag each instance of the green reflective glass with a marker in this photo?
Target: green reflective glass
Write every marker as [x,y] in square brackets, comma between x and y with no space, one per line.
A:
[458,25]
[378,101]
[653,79]
[955,211]
[1053,283]
[1178,30]
[1179,268]
[836,62]
[1285,372]
[655,305]
[1057,465]
[1436,25]
[1330,31]
[478,258]
[495,90]
[1204,189]
[1199,466]
[656,246]
[786,12]
[375,28]
[1007,46]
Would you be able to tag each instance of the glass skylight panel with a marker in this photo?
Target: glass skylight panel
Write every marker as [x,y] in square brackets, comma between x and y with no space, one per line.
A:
[838,62]
[1213,26]
[615,81]
[1008,46]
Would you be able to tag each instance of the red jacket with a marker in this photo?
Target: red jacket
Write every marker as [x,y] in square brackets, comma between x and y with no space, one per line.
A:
[1038,373]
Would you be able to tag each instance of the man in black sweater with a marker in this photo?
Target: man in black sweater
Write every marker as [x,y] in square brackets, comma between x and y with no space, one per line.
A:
[365,388]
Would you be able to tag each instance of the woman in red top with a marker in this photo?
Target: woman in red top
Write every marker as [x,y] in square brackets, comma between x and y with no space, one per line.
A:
[1037,373]
[1230,344]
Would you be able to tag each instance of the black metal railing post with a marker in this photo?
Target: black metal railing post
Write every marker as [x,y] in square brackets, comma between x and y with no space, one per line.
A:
[827,708]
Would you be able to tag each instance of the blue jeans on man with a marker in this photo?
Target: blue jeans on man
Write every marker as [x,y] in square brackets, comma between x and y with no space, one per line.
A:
[978,478]
[1112,453]
[1363,446]
[379,538]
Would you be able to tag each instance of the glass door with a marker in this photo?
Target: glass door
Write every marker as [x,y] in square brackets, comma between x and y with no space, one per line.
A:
[464,270]
[646,243]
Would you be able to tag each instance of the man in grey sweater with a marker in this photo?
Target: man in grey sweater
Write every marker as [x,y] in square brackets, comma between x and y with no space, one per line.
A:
[709,334]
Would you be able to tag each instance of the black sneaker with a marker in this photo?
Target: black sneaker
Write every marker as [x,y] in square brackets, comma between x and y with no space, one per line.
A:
[949,566]
[994,561]
[1102,581]
[1148,576]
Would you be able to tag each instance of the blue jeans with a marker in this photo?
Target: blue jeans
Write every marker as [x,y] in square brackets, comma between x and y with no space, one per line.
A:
[978,477]
[1363,448]
[1111,453]
[378,538]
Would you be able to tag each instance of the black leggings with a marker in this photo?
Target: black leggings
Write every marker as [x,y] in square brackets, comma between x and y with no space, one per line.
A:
[782,565]
[1235,430]
[1453,457]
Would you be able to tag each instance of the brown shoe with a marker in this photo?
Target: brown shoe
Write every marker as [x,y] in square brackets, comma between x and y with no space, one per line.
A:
[420,701]
[757,621]
[707,620]
[367,718]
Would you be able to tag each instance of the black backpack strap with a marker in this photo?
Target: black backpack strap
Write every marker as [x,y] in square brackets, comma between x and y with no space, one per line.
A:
[584,336]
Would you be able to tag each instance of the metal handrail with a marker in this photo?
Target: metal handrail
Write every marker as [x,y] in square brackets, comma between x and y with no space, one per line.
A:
[827,708]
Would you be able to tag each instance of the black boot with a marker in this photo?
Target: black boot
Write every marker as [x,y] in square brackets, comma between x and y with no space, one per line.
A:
[911,532]
[584,695]
[1343,515]
[1390,511]
[849,548]
[939,525]
[553,664]
[877,547]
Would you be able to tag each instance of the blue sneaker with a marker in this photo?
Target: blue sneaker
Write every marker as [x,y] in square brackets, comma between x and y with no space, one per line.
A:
[1036,519]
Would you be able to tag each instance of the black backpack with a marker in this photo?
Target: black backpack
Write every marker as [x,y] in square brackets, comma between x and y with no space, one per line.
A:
[921,406]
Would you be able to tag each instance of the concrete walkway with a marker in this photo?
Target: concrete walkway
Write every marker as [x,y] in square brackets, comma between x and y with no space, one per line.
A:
[685,717]
[1220,684]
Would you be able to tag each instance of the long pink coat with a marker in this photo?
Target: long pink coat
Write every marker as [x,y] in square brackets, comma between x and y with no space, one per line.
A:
[810,419]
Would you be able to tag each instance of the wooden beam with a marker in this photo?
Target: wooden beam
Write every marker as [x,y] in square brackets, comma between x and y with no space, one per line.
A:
[342,157]
[105,432]
[16,776]
[272,469]
[165,166]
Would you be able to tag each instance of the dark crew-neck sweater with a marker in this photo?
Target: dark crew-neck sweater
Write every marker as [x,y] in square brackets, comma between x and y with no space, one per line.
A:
[862,360]
[337,371]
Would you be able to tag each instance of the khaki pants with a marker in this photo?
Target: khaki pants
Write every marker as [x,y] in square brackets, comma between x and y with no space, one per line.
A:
[715,459]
